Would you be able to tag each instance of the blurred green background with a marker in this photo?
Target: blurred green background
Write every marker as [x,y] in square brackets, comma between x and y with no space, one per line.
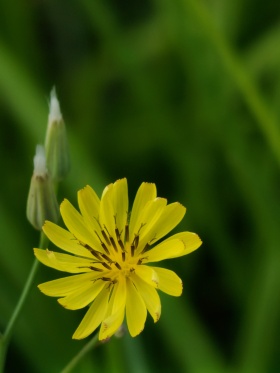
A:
[183,93]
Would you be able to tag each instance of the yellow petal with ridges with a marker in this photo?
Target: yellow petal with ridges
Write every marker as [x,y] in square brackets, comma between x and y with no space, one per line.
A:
[120,204]
[171,216]
[106,218]
[111,324]
[148,217]
[82,296]
[191,241]
[94,315]
[89,205]
[147,274]
[115,311]
[136,310]
[169,282]
[149,295]
[64,240]
[164,250]
[66,285]
[74,221]
[118,296]
[63,262]
[146,192]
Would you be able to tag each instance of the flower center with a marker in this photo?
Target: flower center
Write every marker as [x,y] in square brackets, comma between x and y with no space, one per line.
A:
[119,256]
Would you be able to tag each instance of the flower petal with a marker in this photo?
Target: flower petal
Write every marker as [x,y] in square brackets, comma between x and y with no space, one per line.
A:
[82,296]
[89,205]
[149,295]
[169,282]
[115,312]
[120,204]
[169,218]
[64,240]
[136,310]
[191,241]
[164,250]
[147,274]
[66,285]
[118,296]
[106,217]
[77,226]
[94,315]
[148,217]
[145,193]
[111,324]
[63,262]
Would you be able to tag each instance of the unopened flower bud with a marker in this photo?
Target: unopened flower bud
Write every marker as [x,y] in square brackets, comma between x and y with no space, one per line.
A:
[56,144]
[41,202]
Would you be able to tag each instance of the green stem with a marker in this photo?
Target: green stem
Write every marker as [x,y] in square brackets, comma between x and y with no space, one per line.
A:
[5,338]
[94,342]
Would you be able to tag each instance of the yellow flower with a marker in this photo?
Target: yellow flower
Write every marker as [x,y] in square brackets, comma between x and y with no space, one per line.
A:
[111,252]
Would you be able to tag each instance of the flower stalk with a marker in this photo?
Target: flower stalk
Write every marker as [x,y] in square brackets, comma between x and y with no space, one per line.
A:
[92,343]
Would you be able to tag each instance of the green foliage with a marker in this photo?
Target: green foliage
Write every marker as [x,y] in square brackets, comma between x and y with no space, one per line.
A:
[183,93]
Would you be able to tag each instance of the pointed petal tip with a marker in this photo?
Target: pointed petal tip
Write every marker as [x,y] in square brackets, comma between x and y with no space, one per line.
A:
[76,338]
[157,317]
[133,335]
[121,180]
[60,301]
[79,336]
[64,202]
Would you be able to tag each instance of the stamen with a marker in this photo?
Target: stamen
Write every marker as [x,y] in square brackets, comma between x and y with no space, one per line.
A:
[123,256]
[106,279]
[132,247]
[141,226]
[121,244]
[126,233]
[104,256]
[136,241]
[95,253]
[95,269]
[105,236]
[111,283]
[105,248]
[114,244]
[106,265]
[117,265]
[117,233]
[141,260]
[86,246]
[146,248]
[103,244]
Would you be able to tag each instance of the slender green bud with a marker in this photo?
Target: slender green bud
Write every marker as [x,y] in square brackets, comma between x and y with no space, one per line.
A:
[41,202]
[56,144]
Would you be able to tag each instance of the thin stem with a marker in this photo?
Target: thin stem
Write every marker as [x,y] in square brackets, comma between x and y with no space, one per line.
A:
[94,342]
[5,338]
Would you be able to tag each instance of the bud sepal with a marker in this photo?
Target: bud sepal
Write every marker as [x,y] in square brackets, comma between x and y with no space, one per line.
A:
[41,202]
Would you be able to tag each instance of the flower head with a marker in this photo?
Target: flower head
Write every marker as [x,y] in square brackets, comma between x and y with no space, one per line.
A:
[111,251]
